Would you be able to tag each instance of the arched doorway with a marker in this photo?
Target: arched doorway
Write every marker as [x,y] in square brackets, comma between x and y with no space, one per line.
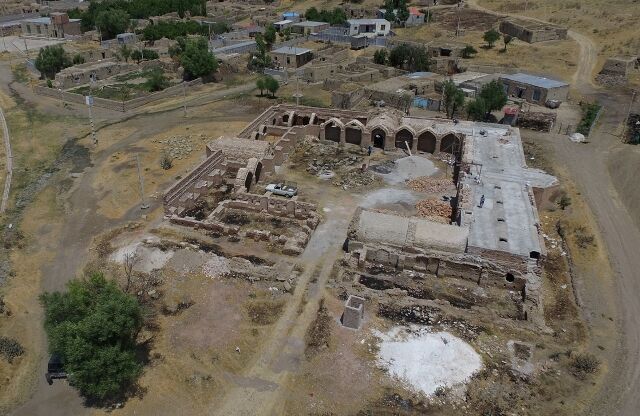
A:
[403,136]
[427,142]
[353,135]
[332,132]
[450,144]
[248,181]
[305,120]
[378,138]
[258,170]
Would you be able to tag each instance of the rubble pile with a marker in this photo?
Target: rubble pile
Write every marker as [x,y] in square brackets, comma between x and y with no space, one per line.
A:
[434,209]
[429,184]
[180,147]
[537,121]
[355,178]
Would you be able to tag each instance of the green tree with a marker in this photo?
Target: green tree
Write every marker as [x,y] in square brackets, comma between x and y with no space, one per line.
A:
[507,40]
[261,85]
[93,328]
[270,36]
[156,81]
[51,60]
[112,22]
[260,59]
[78,59]
[196,59]
[491,37]
[312,14]
[476,109]
[494,96]
[125,52]
[453,98]
[136,55]
[380,57]
[271,84]
[402,11]
[410,58]
[468,52]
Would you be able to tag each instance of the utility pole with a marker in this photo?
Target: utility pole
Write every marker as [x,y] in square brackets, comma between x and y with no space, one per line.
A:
[89,101]
[143,205]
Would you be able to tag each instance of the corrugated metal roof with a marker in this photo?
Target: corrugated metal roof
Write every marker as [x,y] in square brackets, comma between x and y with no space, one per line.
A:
[283,22]
[536,81]
[291,50]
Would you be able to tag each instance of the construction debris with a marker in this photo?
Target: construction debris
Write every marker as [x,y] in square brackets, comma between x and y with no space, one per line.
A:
[537,121]
[434,210]
[430,185]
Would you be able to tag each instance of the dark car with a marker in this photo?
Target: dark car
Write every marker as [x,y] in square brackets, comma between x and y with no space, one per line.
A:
[55,368]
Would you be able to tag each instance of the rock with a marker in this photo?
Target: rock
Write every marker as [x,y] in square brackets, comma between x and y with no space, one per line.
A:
[287,287]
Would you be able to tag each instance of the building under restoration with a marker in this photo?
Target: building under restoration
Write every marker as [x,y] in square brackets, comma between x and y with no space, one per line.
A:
[493,239]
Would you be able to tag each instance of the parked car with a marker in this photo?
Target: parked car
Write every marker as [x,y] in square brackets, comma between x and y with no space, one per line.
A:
[55,369]
[283,189]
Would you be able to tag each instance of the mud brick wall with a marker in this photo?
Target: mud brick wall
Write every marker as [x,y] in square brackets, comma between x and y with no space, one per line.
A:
[194,182]
[214,226]
[272,205]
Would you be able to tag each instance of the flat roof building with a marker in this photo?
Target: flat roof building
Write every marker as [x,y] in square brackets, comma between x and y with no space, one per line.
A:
[291,56]
[57,25]
[369,27]
[534,89]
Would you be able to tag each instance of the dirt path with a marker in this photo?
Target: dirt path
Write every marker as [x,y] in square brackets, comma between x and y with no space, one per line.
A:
[587,165]
[261,388]
[7,146]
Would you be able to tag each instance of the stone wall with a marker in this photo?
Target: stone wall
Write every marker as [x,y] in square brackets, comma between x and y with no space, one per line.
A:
[183,194]
[533,32]
[122,106]
[273,205]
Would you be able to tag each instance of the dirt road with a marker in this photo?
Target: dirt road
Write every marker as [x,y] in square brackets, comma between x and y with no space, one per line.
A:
[587,166]
[261,389]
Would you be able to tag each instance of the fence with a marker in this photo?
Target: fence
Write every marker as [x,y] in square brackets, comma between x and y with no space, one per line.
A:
[123,106]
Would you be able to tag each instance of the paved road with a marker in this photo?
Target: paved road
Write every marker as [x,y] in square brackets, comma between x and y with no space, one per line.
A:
[7,146]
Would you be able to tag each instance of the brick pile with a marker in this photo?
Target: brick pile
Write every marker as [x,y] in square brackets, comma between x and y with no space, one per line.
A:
[434,210]
[430,185]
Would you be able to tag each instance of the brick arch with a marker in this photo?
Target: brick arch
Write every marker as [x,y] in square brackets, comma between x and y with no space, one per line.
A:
[427,142]
[450,143]
[378,137]
[404,135]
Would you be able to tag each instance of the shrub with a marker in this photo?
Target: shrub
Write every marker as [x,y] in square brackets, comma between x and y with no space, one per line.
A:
[583,364]
[165,162]
[589,113]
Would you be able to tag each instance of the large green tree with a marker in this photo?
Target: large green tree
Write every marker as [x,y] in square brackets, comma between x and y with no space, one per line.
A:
[477,109]
[494,96]
[410,57]
[269,36]
[93,327]
[453,98]
[51,60]
[271,84]
[112,22]
[196,59]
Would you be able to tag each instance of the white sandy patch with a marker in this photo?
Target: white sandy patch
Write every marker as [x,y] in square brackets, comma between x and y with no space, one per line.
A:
[147,258]
[424,360]
[216,266]
[408,168]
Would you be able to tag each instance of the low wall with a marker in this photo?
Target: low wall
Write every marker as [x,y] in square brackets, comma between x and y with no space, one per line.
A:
[273,205]
[113,104]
